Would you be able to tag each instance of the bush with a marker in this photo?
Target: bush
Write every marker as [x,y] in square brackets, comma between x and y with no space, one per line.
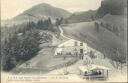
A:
[116,56]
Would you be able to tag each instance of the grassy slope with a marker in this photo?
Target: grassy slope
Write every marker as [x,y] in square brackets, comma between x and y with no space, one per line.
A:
[119,21]
[104,39]
[81,17]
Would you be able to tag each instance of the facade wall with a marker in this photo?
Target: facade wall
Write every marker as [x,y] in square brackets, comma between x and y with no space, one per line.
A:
[71,47]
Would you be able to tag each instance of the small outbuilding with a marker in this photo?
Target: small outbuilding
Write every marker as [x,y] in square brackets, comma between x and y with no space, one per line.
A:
[94,72]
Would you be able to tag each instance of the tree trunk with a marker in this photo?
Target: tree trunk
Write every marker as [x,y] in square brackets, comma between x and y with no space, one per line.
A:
[117,65]
[121,68]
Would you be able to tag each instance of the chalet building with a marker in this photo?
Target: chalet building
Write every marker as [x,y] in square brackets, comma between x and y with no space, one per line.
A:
[71,47]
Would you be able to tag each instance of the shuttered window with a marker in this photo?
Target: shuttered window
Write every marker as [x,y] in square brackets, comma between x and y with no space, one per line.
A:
[81,44]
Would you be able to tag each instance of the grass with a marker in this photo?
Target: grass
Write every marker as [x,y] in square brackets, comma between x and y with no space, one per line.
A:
[87,33]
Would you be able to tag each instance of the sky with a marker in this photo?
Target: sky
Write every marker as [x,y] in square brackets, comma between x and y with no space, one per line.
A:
[11,8]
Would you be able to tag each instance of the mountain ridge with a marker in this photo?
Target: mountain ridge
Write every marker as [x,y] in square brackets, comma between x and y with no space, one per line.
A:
[38,12]
[45,9]
[84,16]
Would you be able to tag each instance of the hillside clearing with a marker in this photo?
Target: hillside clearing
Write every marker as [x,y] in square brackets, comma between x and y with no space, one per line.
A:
[87,33]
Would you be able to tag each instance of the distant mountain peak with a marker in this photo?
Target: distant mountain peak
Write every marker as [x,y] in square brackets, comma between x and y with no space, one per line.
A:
[43,5]
[90,10]
[42,11]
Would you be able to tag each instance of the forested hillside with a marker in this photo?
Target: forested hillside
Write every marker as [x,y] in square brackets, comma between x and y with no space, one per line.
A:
[21,43]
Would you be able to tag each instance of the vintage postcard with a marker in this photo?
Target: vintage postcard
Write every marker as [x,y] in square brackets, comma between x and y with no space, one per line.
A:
[63,41]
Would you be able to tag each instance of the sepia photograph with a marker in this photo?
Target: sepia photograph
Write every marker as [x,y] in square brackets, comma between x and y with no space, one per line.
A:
[63,41]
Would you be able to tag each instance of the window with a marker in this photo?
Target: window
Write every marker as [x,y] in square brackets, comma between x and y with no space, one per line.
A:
[75,43]
[81,44]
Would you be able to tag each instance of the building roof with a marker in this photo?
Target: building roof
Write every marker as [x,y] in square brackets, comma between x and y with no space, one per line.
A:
[92,67]
[68,42]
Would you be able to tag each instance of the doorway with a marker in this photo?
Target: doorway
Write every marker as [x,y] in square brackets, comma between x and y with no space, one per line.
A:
[81,51]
